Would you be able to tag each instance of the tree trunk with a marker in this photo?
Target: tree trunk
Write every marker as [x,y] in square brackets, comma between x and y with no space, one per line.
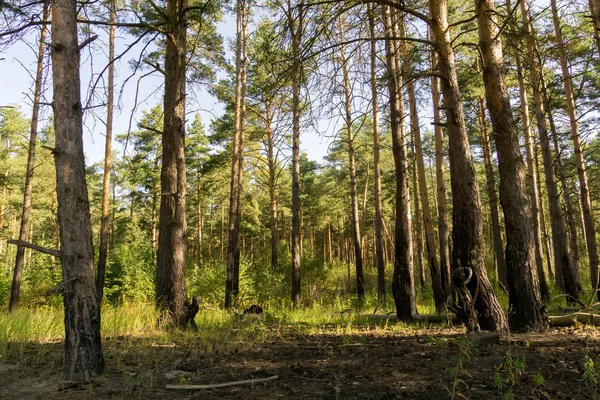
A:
[83,349]
[532,176]
[272,193]
[16,283]
[356,239]
[493,198]
[379,253]
[440,182]
[562,260]
[403,288]
[415,127]
[467,232]
[237,149]
[417,231]
[584,192]
[104,219]
[296,26]
[172,236]
[527,312]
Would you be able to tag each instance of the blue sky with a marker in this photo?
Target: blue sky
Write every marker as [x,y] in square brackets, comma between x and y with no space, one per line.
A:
[16,83]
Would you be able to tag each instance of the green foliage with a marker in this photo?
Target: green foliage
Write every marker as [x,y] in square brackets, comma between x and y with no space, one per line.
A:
[591,375]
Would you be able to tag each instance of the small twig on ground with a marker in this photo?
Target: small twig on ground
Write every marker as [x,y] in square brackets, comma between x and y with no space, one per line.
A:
[220,385]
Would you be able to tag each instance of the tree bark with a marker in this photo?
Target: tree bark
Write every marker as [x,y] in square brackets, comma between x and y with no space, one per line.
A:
[403,288]
[584,192]
[562,259]
[440,182]
[356,238]
[532,176]
[296,28]
[172,237]
[379,253]
[467,232]
[595,12]
[493,197]
[19,260]
[415,127]
[527,312]
[83,350]
[104,218]
[237,149]
[272,194]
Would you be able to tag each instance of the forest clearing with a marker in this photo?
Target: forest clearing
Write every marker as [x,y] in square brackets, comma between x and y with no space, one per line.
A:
[299,199]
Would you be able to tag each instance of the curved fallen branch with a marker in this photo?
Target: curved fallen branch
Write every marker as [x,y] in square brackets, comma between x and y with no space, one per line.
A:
[220,385]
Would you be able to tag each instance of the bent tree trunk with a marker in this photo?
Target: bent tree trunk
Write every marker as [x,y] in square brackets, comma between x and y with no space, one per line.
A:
[172,237]
[19,261]
[527,312]
[467,232]
[403,287]
[83,350]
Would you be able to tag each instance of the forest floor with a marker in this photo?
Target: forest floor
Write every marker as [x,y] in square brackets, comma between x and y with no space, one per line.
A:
[362,361]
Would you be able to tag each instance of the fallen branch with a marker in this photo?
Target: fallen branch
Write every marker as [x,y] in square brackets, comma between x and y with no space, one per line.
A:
[571,319]
[220,385]
[41,249]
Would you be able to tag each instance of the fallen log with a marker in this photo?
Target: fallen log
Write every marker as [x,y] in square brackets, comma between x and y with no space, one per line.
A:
[574,318]
[220,385]
[433,318]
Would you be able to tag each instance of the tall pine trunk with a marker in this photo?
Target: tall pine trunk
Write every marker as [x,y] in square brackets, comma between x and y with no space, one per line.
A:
[296,27]
[492,195]
[562,259]
[237,149]
[403,288]
[467,232]
[584,192]
[440,181]
[379,251]
[527,312]
[356,239]
[172,236]
[532,175]
[35,112]
[83,349]
[104,218]
[415,128]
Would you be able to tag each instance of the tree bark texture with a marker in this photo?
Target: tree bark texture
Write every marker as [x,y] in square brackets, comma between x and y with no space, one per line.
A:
[83,350]
[562,259]
[172,236]
[584,192]
[379,254]
[356,239]
[35,112]
[443,234]
[467,232]
[415,128]
[532,175]
[237,148]
[490,178]
[526,310]
[104,218]
[296,28]
[403,288]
